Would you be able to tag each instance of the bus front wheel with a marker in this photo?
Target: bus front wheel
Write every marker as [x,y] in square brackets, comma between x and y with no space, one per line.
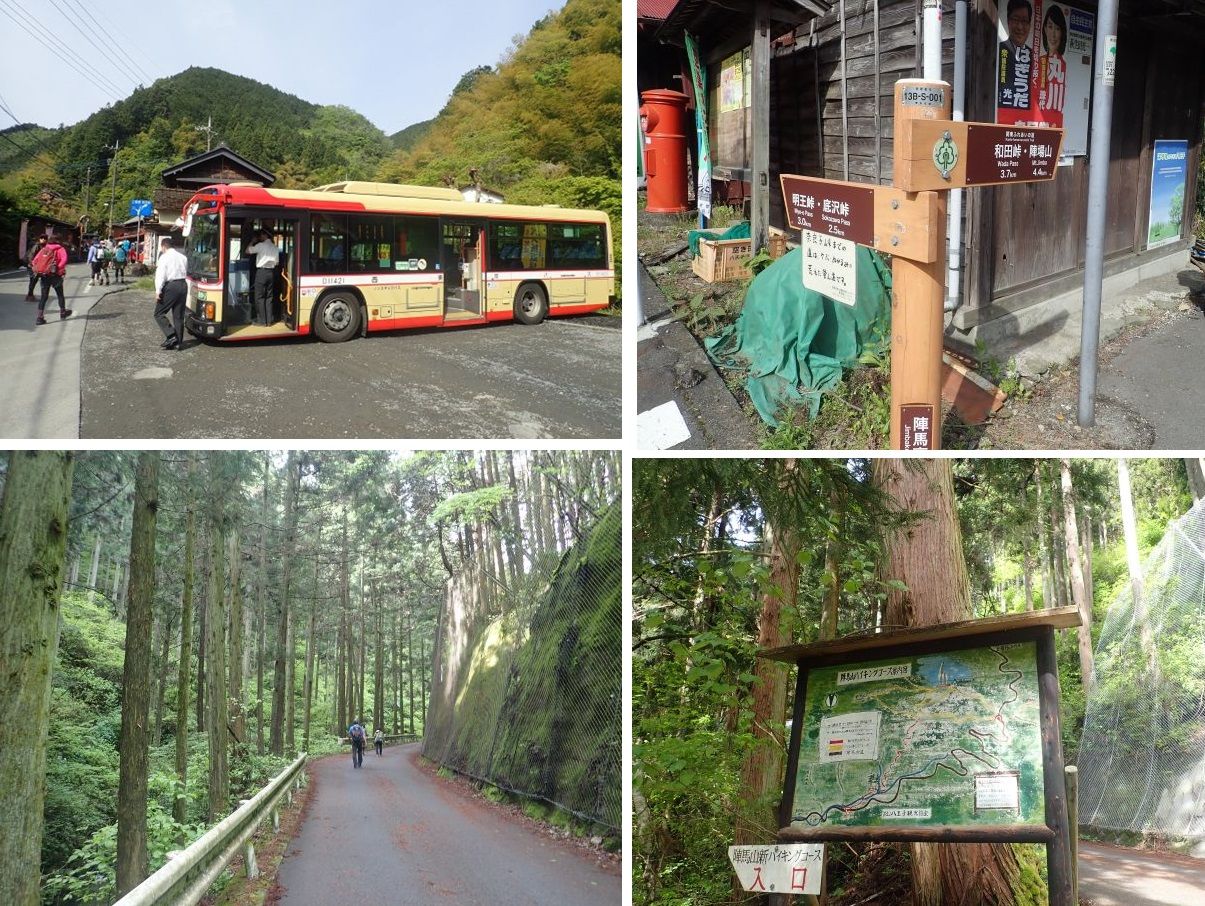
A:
[337,317]
[531,304]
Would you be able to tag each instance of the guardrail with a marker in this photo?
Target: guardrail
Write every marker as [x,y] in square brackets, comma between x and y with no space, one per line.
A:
[189,873]
[403,738]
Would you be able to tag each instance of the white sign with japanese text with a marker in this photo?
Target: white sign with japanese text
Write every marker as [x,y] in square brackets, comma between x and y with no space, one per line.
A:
[790,868]
[830,266]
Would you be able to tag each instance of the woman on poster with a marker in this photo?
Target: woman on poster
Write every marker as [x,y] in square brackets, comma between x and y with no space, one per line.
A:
[1050,75]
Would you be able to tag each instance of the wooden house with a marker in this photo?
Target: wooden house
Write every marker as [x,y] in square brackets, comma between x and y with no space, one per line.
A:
[830,83]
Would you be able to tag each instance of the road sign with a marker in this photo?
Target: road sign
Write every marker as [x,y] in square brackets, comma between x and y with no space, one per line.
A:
[790,868]
[140,207]
[882,217]
[841,209]
[944,154]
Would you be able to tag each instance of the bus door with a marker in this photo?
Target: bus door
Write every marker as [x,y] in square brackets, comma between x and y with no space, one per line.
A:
[462,259]
[240,302]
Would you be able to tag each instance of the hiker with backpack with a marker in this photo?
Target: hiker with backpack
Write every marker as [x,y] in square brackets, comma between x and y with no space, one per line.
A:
[356,734]
[94,262]
[379,742]
[37,246]
[50,264]
[119,262]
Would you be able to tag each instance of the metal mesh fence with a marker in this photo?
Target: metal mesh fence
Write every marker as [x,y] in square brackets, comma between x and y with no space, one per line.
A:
[526,686]
[1142,754]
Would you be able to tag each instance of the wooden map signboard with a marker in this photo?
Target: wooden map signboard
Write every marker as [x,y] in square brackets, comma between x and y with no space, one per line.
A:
[946,733]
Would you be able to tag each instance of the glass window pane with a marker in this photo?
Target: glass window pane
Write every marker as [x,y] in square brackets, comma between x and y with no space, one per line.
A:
[416,246]
[328,243]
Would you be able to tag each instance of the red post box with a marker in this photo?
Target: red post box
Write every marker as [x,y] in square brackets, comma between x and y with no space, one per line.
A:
[663,122]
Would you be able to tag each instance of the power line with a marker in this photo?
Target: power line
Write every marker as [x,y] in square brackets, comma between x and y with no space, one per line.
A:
[125,70]
[146,78]
[94,79]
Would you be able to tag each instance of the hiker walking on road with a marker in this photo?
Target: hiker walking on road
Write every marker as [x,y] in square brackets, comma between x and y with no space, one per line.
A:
[379,742]
[37,246]
[356,733]
[119,263]
[50,264]
[94,262]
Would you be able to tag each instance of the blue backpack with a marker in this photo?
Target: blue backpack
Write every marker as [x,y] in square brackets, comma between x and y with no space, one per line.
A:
[357,734]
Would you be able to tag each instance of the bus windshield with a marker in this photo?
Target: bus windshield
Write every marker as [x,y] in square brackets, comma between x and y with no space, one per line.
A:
[203,246]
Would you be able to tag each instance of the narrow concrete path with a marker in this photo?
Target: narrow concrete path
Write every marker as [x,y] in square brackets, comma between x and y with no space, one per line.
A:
[1116,876]
[393,833]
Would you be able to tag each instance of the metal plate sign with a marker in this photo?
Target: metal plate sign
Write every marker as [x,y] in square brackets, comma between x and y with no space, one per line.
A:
[841,209]
[997,154]
[789,868]
[945,740]
[830,266]
[916,427]
[923,96]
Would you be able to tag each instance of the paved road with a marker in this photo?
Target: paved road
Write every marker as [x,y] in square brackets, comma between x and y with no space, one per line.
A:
[40,366]
[393,833]
[1115,876]
[559,379]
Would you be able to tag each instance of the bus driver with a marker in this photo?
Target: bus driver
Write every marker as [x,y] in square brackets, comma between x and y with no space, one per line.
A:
[267,257]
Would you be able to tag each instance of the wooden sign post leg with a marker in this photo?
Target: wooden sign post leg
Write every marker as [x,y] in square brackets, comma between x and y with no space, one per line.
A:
[918,294]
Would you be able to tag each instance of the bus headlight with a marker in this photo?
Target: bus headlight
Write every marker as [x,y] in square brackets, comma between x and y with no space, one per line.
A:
[209,311]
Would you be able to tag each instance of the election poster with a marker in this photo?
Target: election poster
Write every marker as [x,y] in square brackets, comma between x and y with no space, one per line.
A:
[1169,176]
[1044,68]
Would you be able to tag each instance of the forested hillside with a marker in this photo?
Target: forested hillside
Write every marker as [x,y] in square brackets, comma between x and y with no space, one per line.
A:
[731,556]
[221,612]
[535,125]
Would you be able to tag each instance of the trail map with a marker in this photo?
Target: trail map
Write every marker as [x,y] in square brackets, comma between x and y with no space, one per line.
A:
[944,739]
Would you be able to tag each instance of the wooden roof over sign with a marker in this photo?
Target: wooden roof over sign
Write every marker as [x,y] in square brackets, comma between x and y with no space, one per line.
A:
[715,19]
[1055,617]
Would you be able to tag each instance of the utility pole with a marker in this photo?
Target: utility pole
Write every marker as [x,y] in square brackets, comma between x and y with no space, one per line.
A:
[87,195]
[113,186]
[208,130]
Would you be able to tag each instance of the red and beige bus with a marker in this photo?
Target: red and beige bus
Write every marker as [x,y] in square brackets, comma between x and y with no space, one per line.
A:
[360,256]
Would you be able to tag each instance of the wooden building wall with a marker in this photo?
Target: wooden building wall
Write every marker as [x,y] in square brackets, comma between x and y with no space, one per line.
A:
[1023,243]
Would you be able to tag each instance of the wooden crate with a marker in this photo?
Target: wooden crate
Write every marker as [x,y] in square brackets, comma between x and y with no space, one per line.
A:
[722,259]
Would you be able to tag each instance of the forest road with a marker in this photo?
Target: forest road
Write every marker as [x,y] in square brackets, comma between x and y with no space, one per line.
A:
[1116,876]
[394,833]
[558,379]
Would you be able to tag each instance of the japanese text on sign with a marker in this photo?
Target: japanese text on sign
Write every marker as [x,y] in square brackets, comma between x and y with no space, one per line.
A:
[830,266]
[916,424]
[791,868]
[871,674]
[1003,155]
[834,208]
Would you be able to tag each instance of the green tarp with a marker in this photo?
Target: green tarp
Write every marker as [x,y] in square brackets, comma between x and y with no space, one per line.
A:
[795,342]
[736,231]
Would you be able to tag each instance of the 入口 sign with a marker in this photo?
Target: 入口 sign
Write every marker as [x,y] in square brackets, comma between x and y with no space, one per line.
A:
[791,868]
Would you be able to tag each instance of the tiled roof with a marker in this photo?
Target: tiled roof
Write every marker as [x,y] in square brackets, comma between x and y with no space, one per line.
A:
[654,9]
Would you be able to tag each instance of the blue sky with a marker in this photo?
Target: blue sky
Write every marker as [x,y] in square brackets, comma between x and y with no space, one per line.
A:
[396,63]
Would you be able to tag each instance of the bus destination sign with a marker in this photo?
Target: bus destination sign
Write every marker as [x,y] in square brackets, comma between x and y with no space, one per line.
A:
[831,207]
[999,154]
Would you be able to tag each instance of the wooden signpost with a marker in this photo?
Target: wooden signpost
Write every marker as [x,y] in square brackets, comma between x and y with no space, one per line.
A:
[907,220]
[946,734]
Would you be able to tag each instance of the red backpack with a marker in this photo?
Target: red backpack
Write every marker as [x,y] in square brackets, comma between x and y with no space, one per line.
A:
[45,262]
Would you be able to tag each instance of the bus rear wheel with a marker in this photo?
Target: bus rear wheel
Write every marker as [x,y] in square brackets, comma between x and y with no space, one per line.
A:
[531,304]
[337,317]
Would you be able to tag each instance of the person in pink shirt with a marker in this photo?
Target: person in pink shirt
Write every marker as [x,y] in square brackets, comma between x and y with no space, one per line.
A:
[51,268]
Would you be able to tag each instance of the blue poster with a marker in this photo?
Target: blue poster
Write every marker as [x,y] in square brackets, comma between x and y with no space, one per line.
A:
[1169,176]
